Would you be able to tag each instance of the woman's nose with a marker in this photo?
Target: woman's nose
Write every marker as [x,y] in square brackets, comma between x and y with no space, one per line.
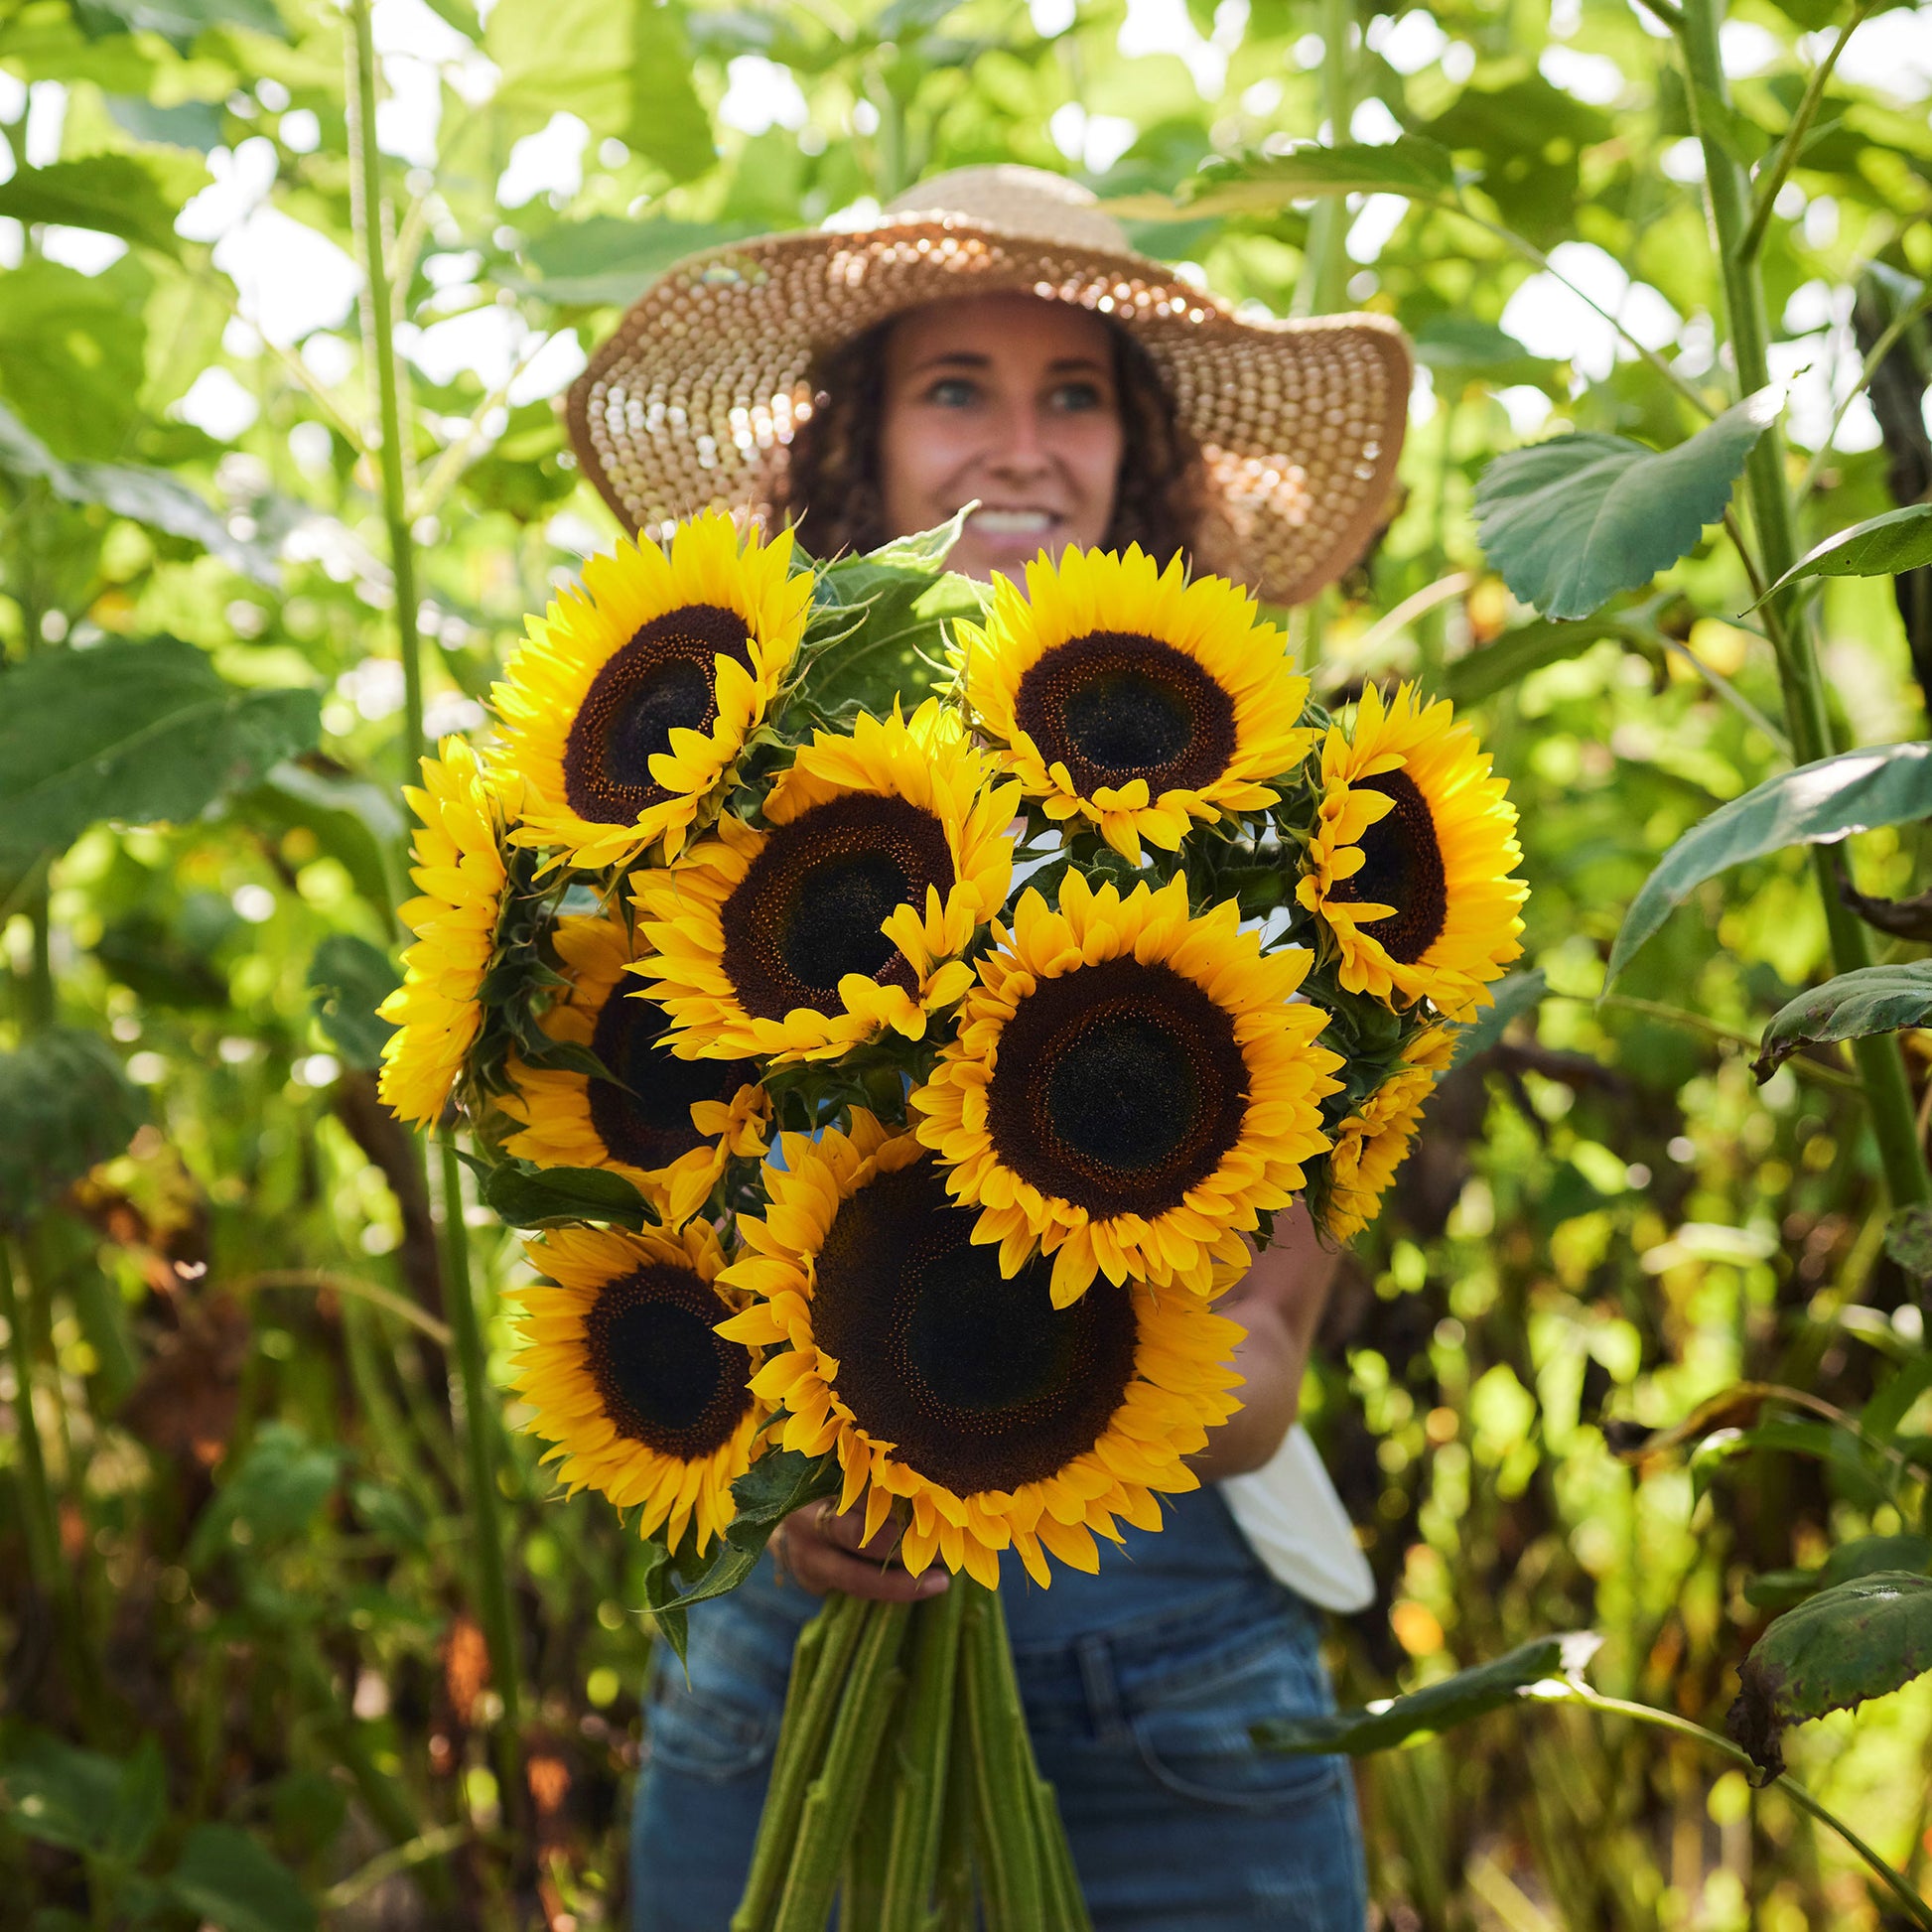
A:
[1021,448]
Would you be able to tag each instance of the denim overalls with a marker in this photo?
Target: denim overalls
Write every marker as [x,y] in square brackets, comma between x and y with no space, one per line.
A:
[1140,1684]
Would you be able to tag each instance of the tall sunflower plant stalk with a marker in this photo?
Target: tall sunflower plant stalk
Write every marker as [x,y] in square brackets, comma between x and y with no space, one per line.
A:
[899,1010]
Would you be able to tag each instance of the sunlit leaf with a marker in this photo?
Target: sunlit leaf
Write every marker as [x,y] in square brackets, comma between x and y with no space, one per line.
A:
[1255,180]
[347,980]
[1864,1556]
[1857,1640]
[135,731]
[1512,996]
[1817,804]
[583,264]
[1880,546]
[135,197]
[1438,1708]
[1572,522]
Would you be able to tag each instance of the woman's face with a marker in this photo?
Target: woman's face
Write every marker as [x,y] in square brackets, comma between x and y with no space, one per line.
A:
[1008,399]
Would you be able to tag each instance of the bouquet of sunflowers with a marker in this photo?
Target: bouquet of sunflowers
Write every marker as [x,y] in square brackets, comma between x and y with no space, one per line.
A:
[899,1007]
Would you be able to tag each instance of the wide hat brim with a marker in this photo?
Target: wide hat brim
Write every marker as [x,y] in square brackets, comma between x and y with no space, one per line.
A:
[692,403]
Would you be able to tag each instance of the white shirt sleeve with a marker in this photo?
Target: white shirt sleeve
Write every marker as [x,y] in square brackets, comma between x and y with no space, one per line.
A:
[1289,1513]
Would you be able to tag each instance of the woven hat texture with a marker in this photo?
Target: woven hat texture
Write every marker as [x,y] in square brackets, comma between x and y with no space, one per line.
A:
[694,399]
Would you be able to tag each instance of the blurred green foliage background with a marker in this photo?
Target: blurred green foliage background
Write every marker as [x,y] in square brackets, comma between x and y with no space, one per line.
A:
[246,1682]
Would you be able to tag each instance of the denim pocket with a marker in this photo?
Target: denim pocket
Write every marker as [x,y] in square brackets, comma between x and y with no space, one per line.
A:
[701,1736]
[721,1720]
[1192,1730]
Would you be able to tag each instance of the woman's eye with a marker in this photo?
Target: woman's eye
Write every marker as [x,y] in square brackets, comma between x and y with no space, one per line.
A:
[1078,397]
[953,392]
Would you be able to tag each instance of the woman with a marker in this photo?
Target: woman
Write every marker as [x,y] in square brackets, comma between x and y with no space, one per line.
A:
[994,342]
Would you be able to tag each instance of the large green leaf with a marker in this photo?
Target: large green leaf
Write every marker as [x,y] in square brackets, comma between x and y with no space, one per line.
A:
[624,68]
[780,1481]
[137,731]
[1880,546]
[356,821]
[274,1496]
[1873,999]
[1256,182]
[582,264]
[81,1801]
[1572,522]
[1512,996]
[143,495]
[347,980]
[526,1196]
[1510,658]
[65,1106]
[1857,1640]
[1817,804]
[228,1879]
[1438,1708]
[1864,1556]
[135,197]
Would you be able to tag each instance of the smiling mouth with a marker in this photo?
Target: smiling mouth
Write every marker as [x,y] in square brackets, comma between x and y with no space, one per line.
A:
[1014,523]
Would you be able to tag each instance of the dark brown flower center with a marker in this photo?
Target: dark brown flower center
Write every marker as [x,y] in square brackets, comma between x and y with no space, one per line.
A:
[1112,707]
[1402,866]
[666,1377]
[664,679]
[809,908]
[979,1383]
[643,1116]
[1118,1087]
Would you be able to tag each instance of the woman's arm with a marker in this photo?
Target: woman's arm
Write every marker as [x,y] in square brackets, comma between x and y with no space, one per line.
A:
[1279,1300]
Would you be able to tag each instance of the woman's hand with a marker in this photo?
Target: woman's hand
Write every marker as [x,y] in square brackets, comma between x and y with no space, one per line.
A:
[821,1550]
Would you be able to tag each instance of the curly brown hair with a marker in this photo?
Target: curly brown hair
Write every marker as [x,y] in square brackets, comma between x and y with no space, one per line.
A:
[831,484]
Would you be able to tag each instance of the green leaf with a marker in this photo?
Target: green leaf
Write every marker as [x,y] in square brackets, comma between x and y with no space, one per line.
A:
[82,1801]
[135,197]
[1864,1556]
[1908,1240]
[151,496]
[64,1107]
[776,1483]
[136,732]
[185,20]
[1511,657]
[1572,522]
[273,1497]
[584,264]
[1856,1640]
[355,821]
[1514,995]
[1438,1708]
[1817,804]
[192,124]
[347,980]
[523,1196]
[1872,1000]
[624,68]
[1880,546]
[227,1878]
[1259,182]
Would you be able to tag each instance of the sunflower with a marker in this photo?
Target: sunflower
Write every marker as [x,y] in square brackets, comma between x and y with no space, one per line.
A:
[1374,1139]
[996,1418]
[1130,1087]
[886,849]
[666,1125]
[627,1377]
[1125,694]
[461,871]
[1411,860]
[627,705]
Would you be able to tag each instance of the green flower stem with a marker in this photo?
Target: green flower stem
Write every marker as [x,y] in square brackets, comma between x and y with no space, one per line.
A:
[922,1750]
[1065,1908]
[953,1906]
[832,1803]
[486,1500]
[1882,1066]
[820,1662]
[1913,1905]
[30,1471]
[1005,1828]
[365,210]
[1321,288]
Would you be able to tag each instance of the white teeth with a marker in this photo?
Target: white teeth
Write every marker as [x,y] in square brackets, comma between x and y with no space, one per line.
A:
[1014,523]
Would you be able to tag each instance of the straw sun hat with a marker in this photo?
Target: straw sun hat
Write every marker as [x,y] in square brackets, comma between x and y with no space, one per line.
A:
[693,402]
